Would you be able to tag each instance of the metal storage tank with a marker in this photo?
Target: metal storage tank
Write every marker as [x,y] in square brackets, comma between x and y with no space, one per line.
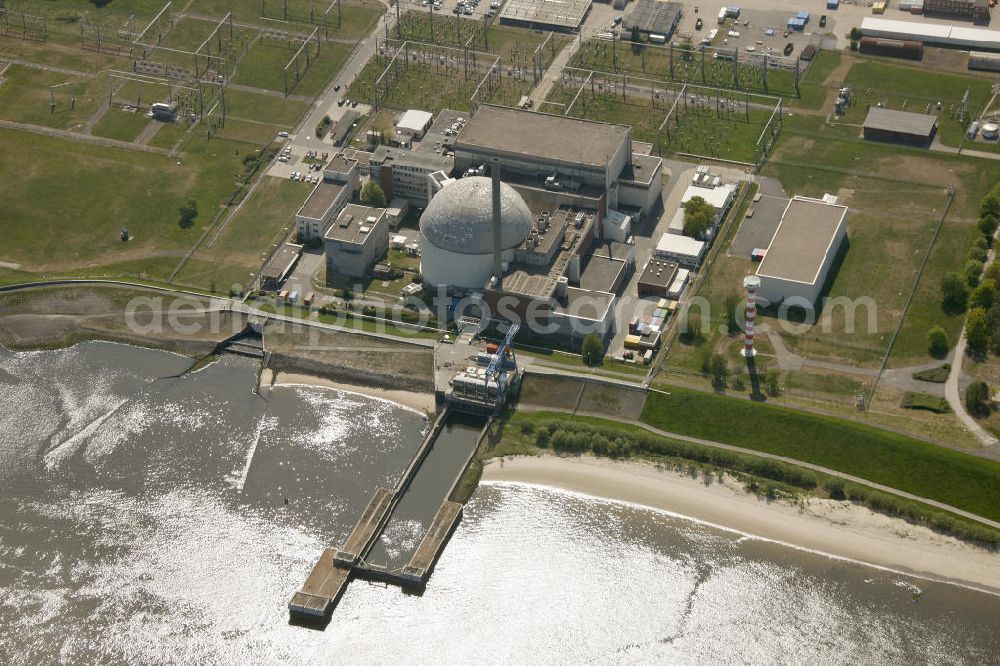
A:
[989,62]
[990,130]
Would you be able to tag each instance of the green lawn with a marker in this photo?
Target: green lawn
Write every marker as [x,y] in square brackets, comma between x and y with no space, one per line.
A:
[169,134]
[187,34]
[106,189]
[357,18]
[248,132]
[26,96]
[656,62]
[897,196]
[916,89]
[239,251]
[813,88]
[121,125]
[423,86]
[907,464]
[263,67]
[262,108]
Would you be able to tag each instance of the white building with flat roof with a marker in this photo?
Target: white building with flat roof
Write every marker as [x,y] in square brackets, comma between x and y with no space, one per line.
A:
[804,247]
[685,251]
[413,123]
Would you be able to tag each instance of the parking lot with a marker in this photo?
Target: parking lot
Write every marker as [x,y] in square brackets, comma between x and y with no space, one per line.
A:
[470,9]
[749,33]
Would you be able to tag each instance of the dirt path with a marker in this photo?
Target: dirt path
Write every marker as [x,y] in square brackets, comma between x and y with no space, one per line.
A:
[86,138]
[271,93]
[88,127]
[148,132]
[48,68]
[951,388]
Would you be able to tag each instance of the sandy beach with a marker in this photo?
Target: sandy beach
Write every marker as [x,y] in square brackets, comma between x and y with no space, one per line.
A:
[838,529]
[421,402]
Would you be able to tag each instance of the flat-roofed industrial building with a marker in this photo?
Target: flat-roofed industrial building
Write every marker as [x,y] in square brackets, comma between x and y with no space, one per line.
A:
[805,245]
[340,182]
[686,251]
[568,157]
[319,210]
[358,239]
[533,143]
[657,277]
[917,129]
[280,266]
[564,16]
[652,17]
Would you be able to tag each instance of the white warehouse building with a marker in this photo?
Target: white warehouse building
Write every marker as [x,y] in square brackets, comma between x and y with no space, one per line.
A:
[456,232]
[805,245]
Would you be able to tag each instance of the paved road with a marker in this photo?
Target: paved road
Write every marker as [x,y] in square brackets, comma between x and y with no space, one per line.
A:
[792,461]
[951,389]
[86,138]
[221,303]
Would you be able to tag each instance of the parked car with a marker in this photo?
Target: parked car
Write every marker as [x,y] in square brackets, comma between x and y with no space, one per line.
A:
[789,47]
[698,24]
[283,134]
[822,21]
[340,102]
[336,87]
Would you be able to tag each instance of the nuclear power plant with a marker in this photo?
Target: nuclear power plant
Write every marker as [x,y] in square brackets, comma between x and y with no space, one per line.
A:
[458,246]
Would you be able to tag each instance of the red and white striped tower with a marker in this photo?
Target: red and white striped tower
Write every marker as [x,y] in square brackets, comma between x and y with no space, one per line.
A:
[751,283]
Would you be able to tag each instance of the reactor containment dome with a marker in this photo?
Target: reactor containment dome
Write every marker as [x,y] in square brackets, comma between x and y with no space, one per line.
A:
[456,232]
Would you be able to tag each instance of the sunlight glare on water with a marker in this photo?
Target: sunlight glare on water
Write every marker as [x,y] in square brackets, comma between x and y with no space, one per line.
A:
[146,522]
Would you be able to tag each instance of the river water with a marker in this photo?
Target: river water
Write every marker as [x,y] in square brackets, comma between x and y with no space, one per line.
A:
[151,521]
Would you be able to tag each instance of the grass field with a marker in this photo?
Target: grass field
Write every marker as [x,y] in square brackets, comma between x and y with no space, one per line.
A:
[357,18]
[169,135]
[262,108]
[112,188]
[121,125]
[886,178]
[813,89]
[687,66]
[907,464]
[706,122]
[238,252]
[26,95]
[918,90]
[514,45]
[429,84]
[263,67]
[187,34]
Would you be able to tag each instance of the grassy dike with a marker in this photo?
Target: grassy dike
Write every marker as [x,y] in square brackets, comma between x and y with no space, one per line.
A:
[532,433]
[961,480]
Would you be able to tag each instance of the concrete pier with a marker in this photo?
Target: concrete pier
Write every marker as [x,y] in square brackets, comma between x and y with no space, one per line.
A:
[321,590]
[360,556]
[422,562]
[367,528]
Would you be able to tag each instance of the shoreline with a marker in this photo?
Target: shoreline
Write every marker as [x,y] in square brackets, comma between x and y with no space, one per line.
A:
[830,528]
[423,403]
